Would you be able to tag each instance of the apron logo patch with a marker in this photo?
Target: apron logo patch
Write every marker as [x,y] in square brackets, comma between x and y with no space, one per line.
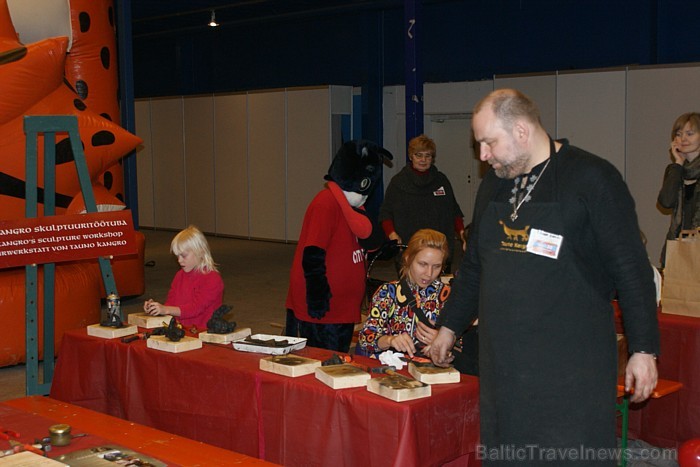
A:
[439,192]
[515,239]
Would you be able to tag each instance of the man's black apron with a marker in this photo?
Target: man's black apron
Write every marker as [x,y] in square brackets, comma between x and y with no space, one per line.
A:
[547,340]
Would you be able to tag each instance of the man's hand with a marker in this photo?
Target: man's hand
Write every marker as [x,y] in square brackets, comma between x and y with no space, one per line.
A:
[463,238]
[441,348]
[641,374]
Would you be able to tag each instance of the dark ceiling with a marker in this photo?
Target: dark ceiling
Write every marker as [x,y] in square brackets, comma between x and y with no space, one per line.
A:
[158,17]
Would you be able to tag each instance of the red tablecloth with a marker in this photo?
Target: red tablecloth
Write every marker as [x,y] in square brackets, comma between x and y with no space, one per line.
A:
[671,420]
[32,416]
[219,396]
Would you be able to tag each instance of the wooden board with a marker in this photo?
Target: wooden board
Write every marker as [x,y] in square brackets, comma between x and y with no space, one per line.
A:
[213,338]
[106,332]
[25,458]
[147,321]
[342,376]
[166,345]
[432,374]
[398,388]
[289,365]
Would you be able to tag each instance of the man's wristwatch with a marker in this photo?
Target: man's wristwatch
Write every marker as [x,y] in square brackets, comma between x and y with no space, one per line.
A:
[646,353]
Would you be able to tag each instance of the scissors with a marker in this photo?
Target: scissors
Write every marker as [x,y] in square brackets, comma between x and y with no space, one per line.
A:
[7,434]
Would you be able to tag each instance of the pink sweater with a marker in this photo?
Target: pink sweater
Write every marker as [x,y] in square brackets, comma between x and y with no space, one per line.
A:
[197,295]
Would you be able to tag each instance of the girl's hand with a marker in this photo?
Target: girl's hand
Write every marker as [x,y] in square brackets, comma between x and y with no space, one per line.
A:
[154,308]
[402,343]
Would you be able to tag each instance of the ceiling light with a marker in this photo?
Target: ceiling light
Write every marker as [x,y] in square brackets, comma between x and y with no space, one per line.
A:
[213,22]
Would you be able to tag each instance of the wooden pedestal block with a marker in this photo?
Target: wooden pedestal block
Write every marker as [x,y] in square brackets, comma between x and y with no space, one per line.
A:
[166,345]
[107,332]
[289,365]
[31,458]
[342,376]
[432,374]
[398,388]
[224,338]
[147,321]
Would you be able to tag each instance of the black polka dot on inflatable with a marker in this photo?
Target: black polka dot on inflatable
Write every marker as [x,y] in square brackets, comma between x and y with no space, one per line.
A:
[108,180]
[106,115]
[78,104]
[64,152]
[103,138]
[13,55]
[110,14]
[120,197]
[81,87]
[70,86]
[104,56]
[84,20]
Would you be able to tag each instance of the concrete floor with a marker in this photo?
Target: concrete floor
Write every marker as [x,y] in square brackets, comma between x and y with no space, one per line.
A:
[255,274]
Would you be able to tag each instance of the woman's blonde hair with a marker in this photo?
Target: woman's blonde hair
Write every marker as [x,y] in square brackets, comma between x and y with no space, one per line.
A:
[422,239]
[193,240]
[691,117]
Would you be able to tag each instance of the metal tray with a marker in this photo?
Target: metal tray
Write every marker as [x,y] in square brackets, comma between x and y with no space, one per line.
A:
[295,343]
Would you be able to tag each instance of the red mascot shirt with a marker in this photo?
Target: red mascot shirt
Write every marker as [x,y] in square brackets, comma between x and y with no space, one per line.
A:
[325,227]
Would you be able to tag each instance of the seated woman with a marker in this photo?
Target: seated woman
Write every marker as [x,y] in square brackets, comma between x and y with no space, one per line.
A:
[402,314]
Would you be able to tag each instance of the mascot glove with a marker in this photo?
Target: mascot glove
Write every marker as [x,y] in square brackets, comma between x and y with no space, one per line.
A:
[318,292]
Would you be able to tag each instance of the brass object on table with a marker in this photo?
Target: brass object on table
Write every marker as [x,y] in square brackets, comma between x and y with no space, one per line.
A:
[60,434]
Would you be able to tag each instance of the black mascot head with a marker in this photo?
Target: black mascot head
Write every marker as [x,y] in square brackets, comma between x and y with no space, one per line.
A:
[357,166]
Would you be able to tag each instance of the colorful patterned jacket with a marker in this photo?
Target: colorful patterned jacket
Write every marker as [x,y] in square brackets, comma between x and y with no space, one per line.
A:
[391,312]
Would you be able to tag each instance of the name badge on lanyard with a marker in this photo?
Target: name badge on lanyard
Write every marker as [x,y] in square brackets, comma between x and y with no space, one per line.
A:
[544,243]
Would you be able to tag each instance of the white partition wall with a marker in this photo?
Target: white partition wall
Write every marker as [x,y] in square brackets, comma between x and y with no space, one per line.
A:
[198,115]
[309,151]
[144,163]
[168,152]
[265,153]
[243,165]
[231,164]
[267,164]
[591,113]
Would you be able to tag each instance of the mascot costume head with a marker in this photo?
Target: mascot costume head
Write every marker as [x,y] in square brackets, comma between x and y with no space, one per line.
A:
[357,169]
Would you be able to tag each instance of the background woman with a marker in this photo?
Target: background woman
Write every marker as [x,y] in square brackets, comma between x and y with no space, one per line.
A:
[197,289]
[679,191]
[421,197]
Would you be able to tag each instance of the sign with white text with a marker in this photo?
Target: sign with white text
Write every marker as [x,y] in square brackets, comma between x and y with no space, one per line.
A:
[53,239]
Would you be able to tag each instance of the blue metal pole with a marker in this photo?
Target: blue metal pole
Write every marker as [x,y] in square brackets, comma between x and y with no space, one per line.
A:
[126,87]
[413,71]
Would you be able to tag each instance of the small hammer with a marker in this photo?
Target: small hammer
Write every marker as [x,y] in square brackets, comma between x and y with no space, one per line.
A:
[385,369]
[376,369]
[135,337]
